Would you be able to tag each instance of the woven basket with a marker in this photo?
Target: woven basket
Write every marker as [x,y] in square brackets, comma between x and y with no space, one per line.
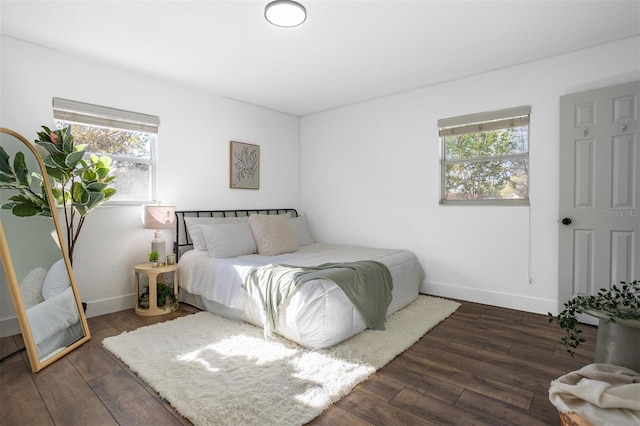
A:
[572,419]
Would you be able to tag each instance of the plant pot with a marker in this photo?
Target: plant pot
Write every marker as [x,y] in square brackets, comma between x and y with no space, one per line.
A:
[154,264]
[617,342]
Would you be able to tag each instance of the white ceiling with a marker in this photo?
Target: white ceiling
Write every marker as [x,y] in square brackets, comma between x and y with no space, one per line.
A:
[346,51]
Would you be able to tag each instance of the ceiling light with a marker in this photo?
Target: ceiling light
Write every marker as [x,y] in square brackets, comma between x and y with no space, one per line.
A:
[285,13]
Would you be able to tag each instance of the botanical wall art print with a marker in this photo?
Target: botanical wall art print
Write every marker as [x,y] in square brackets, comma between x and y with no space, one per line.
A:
[245,165]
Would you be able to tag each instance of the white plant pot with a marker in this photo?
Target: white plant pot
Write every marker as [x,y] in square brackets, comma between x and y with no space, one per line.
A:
[617,343]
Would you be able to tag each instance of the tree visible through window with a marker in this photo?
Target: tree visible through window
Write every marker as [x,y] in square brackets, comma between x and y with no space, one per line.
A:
[486,158]
[128,138]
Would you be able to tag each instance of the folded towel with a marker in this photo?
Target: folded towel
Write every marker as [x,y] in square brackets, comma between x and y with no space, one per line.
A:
[602,394]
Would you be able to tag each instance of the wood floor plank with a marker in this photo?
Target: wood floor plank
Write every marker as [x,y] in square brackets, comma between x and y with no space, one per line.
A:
[378,412]
[436,411]
[92,362]
[335,415]
[511,364]
[543,409]
[469,380]
[420,381]
[69,398]
[20,402]
[129,402]
[466,334]
[381,388]
[488,370]
[499,412]
[461,372]
[499,332]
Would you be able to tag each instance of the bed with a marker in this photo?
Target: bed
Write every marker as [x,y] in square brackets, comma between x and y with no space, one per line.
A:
[215,258]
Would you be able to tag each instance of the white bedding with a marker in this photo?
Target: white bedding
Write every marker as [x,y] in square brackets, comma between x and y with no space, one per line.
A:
[318,314]
[55,323]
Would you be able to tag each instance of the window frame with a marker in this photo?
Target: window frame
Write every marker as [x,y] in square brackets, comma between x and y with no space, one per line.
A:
[84,114]
[482,122]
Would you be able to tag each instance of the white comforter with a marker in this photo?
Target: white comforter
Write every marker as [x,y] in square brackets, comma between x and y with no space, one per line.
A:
[198,271]
[318,315]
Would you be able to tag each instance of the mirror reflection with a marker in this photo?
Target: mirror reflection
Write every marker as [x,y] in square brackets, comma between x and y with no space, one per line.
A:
[37,270]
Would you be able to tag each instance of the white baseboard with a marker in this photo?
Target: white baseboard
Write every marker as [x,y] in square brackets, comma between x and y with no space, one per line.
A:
[107,306]
[486,297]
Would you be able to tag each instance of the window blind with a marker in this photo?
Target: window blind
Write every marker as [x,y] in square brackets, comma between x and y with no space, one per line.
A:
[80,112]
[485,121]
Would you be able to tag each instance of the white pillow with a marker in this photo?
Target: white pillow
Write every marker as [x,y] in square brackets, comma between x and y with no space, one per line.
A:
[53,316]
[195,234]
[228,240]
[57,280]
[300,229]
[273,234]
[31,286]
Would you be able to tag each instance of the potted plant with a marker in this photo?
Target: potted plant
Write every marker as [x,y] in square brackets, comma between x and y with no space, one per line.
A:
[81,182]
[153,258]
[165,297]
[618,312]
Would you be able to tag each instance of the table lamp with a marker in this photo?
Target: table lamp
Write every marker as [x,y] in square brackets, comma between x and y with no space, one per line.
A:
[158,216]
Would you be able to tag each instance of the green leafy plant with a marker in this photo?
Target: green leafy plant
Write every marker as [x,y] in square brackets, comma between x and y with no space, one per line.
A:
[617,303]
[79,185]
[165,296]
[154,256]
[27,202]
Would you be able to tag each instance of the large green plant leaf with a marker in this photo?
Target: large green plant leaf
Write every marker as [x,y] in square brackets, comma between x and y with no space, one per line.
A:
[97,186]
[50,147]
[109,192]
[5,166]
[95,200]
[79,193]
[67,139]
[25,210]
[20,168]
[89,175]
[73,159]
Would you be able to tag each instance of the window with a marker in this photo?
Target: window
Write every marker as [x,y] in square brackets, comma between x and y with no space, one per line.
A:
[129,138]
[485,157]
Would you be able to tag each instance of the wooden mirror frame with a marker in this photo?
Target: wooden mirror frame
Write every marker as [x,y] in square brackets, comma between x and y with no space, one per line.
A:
[36,362]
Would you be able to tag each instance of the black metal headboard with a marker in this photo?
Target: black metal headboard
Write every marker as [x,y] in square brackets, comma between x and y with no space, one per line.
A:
[183,242]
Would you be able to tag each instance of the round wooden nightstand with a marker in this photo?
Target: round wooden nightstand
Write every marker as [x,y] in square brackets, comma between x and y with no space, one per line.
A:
[152,274]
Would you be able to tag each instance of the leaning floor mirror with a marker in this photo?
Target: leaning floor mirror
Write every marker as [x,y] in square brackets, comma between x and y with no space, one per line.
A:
[36,267]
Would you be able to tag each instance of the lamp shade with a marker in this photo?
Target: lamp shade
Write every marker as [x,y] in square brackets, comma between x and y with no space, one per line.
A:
[158,216]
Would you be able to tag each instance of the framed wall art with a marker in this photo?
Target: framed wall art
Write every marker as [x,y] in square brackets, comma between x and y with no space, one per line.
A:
[244,165]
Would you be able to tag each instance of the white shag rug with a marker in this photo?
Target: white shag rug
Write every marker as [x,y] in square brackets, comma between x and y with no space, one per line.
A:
[214,371]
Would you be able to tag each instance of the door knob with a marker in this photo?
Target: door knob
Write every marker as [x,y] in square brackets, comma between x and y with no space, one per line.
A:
[566,221]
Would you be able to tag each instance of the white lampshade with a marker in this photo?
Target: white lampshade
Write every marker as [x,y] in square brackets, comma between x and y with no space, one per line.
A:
[158,216]
[285,13]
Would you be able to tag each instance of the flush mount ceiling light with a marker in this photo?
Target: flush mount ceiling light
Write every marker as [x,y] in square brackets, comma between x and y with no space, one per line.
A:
[285,13]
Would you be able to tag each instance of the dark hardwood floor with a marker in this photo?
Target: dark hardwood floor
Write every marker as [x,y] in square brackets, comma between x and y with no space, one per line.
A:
[481,366]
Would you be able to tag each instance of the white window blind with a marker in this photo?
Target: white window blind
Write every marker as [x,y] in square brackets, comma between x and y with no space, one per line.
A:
[485,121]
[80,112]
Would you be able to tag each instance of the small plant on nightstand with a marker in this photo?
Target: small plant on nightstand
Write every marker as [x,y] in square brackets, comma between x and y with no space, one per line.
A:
[153,258]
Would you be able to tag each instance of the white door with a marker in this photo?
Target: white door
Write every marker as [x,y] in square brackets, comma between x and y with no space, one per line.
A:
[599,190]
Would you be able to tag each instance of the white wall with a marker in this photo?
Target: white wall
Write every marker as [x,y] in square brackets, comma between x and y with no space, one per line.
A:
[370,175]
[193,155]
[365,174]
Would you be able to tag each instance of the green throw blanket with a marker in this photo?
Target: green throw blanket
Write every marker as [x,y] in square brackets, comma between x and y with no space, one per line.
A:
[366,283]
